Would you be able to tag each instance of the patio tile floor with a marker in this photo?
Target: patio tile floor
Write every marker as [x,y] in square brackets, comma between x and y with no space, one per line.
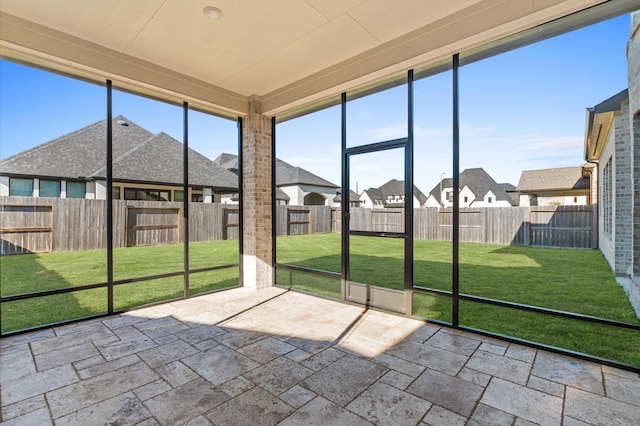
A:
[271,356]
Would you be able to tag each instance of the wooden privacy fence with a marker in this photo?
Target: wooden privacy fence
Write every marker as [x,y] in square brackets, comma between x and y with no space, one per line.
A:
[31,225]
[150,226]
[562,226]
[24,226]
[37,225]
[298,220]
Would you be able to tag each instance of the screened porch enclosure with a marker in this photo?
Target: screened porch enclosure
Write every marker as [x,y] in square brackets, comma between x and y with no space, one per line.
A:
[154,222]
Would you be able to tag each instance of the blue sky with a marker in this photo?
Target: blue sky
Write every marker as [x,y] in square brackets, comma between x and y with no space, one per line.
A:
[520,110]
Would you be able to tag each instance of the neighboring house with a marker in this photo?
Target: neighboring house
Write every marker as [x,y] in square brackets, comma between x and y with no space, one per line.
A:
[230,162]
[146,166]
[477,189]
[564,186]
[390,195]
[612,142]
[354,200]
[294,185]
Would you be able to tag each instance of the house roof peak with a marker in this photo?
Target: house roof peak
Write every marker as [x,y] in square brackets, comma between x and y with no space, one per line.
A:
[138,155]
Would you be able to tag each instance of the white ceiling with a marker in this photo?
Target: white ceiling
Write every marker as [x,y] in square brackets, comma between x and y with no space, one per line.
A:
[287,53]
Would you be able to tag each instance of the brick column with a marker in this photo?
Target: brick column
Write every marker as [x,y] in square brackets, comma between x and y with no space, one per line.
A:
[256,186]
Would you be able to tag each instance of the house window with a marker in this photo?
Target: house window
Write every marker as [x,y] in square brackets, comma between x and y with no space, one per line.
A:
[21,187]
[490,200]
[130,194]
[449,195]
[178,196]
[50,188]
[115,192]
[76,190]
[146,194]
[575,199]
[466,199]
[607,198]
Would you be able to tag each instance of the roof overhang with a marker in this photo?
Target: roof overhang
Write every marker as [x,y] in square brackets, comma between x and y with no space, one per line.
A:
[292,55]
[598,125]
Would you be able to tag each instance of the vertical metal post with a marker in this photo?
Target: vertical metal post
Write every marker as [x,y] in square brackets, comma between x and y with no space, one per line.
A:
[344,201]
[456,195]
[185,197]
[109,167]
[408,199]
[273,199]
[240,202]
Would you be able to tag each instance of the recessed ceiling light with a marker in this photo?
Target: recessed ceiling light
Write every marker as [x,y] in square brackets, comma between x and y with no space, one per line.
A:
[212,13]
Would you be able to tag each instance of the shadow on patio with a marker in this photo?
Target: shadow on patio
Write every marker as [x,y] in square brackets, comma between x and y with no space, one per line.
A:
[273,356]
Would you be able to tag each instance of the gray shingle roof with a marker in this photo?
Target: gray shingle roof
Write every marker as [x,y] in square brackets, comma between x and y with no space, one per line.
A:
[286,174]
[353,197]
[392,188]
[138,155]
[479,182]
[375,194]
[228,161]
[77,154]
[557,179]
[446,183]
[511,192]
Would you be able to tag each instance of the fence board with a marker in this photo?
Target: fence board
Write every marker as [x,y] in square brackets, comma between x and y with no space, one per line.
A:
[387,220]
[336,220]
[298,221]
[78,224]
[150,226]
[568,226]
[231,223]
[26,228]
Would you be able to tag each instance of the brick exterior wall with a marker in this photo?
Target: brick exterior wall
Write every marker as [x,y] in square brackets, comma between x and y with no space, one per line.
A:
[623,192]
[633,60]
[606,237]
[634,288]
[257,259]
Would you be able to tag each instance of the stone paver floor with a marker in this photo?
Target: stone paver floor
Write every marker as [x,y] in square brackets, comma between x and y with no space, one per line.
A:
[273,357]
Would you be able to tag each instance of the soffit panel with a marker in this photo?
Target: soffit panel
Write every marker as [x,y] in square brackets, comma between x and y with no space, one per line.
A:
[297,58]
[331,8]
[183,39]
[114,24]
[440,39]
[387,20]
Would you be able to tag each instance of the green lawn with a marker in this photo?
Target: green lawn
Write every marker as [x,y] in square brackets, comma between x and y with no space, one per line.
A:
[571,280]
[563,279]
[36,272]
